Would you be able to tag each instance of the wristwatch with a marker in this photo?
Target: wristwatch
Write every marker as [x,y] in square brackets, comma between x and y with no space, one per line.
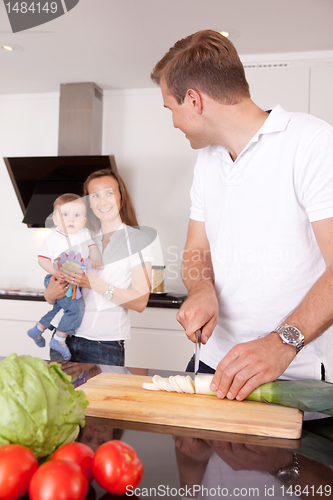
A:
[291,335]
[287,475]
[109,293]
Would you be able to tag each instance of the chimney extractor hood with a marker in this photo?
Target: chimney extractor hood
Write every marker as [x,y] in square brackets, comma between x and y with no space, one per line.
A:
[38,181]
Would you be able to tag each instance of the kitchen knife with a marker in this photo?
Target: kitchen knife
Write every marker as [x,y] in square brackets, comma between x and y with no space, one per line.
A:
[197,351]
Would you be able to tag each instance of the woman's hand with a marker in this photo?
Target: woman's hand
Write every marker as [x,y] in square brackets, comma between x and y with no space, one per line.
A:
[80,279]
[55,290]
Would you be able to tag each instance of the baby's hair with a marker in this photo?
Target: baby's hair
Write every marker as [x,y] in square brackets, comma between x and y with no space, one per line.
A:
[66,198]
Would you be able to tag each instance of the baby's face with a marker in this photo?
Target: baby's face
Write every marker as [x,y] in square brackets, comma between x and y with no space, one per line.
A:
[70,217]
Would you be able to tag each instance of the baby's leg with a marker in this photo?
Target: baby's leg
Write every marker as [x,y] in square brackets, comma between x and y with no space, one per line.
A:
[58,343]
[36,333]
[71,319]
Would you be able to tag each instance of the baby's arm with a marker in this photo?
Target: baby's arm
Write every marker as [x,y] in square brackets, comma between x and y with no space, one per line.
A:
[95,257]
[46,264]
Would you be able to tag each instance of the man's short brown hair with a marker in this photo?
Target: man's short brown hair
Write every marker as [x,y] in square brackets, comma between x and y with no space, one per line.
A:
[205,61]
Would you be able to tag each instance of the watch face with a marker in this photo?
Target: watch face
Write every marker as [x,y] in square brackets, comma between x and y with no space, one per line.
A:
[287,476]
[291,334]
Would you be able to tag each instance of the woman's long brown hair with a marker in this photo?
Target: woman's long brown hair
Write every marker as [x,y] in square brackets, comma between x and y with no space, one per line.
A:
[126,211]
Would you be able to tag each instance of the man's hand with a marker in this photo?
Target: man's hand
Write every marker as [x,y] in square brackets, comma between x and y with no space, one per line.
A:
[248,365]
[200,310]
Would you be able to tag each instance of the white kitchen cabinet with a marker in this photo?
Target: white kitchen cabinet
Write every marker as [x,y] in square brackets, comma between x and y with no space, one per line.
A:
[158,341]
[286,84]
[16,317]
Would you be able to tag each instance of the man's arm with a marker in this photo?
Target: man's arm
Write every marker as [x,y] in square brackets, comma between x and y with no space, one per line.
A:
[200,309]
[248,365]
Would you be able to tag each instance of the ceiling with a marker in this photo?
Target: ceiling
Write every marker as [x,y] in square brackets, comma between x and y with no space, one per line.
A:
[116,43]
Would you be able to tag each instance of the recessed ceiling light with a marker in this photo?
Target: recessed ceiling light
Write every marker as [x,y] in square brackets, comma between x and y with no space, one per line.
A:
[8,48]
[229,32]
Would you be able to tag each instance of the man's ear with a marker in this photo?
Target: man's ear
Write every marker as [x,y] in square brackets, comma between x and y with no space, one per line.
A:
[195,100]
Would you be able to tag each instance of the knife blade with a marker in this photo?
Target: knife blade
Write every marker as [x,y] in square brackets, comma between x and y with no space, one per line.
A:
[197,350]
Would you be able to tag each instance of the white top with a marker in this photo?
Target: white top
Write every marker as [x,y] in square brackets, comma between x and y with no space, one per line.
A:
[57,242]
[103,319]
[257,213]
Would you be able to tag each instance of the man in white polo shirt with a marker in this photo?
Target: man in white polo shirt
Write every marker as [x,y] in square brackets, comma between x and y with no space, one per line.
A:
[258,261]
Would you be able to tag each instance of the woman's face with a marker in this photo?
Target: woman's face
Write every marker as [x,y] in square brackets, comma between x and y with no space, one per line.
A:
[105,198]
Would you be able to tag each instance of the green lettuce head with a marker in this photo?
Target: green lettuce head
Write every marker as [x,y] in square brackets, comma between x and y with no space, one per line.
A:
[39,407]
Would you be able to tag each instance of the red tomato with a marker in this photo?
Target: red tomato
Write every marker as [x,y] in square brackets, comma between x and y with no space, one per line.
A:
[17,465]
[58,480]
[116,466]
[78,453]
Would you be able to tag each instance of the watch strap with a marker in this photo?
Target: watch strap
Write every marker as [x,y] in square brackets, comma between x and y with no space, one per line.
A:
[299,345]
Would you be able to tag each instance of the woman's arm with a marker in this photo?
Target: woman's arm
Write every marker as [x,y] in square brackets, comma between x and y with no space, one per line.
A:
[56,290]
[135,298]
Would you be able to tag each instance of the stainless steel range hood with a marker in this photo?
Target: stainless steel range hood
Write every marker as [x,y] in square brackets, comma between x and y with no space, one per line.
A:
[38,181]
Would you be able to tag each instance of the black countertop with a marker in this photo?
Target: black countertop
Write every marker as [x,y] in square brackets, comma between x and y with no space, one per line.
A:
[164,300]
[186,463]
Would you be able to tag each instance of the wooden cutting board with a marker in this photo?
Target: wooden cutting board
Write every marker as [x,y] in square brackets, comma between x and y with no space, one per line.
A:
[121,397]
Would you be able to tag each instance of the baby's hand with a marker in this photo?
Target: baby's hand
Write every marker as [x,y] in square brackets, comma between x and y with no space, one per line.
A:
[60,276]
[97,264]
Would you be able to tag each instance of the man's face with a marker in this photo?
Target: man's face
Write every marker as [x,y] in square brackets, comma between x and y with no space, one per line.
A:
[184,117]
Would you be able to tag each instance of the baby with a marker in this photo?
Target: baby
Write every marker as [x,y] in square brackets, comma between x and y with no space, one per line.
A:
[69,217]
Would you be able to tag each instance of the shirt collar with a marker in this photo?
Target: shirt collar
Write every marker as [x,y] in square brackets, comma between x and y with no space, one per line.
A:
[61,232]
[276,121]
[98,236]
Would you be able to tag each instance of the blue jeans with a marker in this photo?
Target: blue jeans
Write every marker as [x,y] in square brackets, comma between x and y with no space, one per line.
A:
[203,368]
[96,352]
[73,313]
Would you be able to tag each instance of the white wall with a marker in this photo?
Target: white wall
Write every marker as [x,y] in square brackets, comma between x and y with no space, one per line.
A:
[28,127]
[155,160]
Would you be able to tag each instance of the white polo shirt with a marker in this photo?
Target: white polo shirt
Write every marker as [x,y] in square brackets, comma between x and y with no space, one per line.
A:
[258,212]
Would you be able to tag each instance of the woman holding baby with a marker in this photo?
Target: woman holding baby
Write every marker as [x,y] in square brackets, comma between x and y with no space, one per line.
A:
[122,282]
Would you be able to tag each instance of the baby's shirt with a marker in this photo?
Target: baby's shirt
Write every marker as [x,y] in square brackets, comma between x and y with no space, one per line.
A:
[57,242]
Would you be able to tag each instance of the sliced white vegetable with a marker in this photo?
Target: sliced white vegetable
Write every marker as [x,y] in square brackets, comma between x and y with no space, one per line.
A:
[174,384]
[182,383]
[150,387]
[162,383]
[157,381]
[166,385]
[202,383]
[190,385]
